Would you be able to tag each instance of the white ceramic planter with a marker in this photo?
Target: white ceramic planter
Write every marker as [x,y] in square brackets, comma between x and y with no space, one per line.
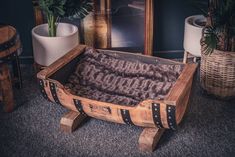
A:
[193,34]
[46,49]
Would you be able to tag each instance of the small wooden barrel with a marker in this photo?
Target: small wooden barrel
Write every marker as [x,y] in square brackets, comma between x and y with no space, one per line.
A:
[9,44]
[9,41]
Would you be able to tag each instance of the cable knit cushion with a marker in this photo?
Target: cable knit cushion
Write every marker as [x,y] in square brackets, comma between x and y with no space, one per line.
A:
[105,77]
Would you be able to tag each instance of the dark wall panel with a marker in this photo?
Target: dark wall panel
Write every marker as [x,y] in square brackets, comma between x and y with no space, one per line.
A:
[169,24]
[19,13]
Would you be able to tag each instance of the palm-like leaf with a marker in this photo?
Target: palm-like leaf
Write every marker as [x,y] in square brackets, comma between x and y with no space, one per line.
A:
[219,35]
[209,41]
[223,13]
[78,8]
[67,8]
[53,7]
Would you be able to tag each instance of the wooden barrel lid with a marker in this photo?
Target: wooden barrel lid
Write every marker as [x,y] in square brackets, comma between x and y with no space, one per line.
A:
[9,41]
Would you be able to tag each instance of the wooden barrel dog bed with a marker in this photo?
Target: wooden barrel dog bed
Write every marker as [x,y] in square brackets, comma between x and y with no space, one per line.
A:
[120,87]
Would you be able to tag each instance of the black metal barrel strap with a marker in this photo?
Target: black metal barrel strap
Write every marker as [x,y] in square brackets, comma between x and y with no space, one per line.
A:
[42,89]
[126,117]
[8,44]
[170,109]
[78,105]
[156,115]
[53,92]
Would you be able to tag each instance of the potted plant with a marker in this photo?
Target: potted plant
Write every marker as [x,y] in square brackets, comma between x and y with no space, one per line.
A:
[52,40]
[217,70]
[193,26]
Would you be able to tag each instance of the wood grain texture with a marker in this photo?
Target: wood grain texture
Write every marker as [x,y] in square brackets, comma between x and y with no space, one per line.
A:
[71,121]
[61,62]
[149,13]
[140,115]
[149,138]
[181,85]
[180,92]
[38,16]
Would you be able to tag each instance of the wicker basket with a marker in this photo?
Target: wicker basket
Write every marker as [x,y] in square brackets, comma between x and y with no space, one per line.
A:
[217,73]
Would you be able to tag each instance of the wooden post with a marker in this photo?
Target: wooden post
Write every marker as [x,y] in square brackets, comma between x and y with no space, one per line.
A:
[101,25]
[38,15]
[71,120]
[149,138]
[6,88]
[109,24]
[149,12]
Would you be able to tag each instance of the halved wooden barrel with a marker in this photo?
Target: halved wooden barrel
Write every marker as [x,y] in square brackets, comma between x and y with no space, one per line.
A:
[165,113]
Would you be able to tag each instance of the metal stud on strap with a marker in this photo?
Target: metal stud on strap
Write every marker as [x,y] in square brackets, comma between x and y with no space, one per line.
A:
[170,109]
[42,89]
[53,92]
[78,105]
[156,115]
[126,117]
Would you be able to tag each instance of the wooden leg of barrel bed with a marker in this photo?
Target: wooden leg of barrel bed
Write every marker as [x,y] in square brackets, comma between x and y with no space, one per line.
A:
[149,138]
[71,120]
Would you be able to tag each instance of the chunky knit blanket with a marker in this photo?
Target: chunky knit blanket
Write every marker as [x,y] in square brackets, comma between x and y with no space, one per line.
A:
[107,78]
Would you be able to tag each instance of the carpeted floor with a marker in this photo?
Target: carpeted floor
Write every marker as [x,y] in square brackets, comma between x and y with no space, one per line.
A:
[32,130]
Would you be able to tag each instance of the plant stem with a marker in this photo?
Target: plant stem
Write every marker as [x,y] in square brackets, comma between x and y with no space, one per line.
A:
[51,25]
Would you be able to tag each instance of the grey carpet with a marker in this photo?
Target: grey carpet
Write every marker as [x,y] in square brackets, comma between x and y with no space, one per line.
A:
[32,130]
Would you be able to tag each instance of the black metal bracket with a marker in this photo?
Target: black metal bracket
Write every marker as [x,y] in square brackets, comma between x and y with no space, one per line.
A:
[156,115]
[78,105]
[126,117]
[42,89]
[170,109]
[54,93]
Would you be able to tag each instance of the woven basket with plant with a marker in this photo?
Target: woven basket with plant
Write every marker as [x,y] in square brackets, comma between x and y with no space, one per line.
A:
[217,71]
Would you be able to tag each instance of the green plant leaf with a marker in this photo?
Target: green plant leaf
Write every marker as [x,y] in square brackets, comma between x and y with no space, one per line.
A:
[78,9]
[209,40]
